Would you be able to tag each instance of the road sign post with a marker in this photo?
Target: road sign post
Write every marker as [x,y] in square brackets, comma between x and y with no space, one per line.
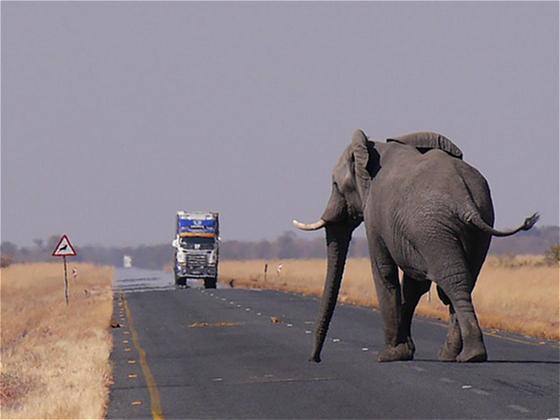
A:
[64,249]
[65,280]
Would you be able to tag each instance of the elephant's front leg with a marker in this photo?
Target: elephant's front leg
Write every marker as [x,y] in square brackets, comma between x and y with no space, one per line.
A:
[389,295]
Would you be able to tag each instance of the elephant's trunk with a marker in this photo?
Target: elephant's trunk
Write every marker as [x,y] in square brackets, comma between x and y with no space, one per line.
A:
[338,239]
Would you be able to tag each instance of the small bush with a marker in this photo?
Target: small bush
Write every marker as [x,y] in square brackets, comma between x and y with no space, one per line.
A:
[6,260]
[506,261]
[552,255]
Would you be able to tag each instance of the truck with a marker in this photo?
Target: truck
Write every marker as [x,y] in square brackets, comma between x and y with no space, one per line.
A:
[196,247]
[127,261]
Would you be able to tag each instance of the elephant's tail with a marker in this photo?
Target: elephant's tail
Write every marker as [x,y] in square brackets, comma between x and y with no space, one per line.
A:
[475,219]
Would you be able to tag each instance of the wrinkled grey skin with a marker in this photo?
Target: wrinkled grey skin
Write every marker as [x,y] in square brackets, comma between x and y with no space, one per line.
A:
[426,211]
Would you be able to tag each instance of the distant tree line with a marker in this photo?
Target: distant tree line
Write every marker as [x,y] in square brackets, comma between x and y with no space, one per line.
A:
[286,246]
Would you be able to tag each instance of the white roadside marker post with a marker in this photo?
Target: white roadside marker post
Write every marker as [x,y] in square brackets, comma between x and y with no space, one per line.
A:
[64,249]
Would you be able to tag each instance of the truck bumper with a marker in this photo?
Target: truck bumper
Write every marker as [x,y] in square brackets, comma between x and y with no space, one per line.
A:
[196,273]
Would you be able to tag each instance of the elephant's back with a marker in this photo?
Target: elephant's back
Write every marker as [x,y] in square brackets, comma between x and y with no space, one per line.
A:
[435,189]
[453,188]
[423,212]
[451,174]
[431,185]
[434,173]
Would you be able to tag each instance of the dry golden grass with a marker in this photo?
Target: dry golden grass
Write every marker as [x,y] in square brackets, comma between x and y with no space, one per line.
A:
[516,294]
[55,358]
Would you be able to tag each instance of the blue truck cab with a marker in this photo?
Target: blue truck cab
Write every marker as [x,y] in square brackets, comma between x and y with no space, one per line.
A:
[196,246]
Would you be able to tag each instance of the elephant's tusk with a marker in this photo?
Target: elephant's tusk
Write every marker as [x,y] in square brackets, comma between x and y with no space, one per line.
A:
[311,226]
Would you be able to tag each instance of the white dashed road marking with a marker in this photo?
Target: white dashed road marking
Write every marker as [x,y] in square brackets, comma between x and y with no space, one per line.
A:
[518,408]
[480,391]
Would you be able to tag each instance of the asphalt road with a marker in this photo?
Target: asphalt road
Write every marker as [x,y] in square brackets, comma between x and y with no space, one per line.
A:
[234,353]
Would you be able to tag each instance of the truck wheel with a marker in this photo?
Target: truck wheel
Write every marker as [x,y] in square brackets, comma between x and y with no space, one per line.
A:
[180,281]
[210,283]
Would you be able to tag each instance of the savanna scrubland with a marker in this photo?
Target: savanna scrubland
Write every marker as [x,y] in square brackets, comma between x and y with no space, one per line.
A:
[55,358]
[514,293]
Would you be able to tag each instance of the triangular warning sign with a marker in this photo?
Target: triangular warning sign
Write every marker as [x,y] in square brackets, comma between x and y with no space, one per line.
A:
[64,248]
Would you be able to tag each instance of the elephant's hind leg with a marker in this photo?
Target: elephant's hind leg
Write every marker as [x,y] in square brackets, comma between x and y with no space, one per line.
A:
[458,289]
[412,292]
[453,343]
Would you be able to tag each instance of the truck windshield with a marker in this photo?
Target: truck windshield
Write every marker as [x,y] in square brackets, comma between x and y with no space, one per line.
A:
[197,243]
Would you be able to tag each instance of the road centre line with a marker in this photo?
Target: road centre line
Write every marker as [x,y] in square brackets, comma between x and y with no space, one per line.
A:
[440,324]
[155,403]
[419,369]
[444,325]
[436,323]
[480,391]
[518,408]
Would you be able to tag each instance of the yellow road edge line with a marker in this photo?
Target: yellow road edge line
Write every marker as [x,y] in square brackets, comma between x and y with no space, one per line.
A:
[155,401]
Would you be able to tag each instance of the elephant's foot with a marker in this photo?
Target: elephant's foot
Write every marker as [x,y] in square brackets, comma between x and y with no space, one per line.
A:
[453,343]
[473,354]
[450,350]
[448,355]
[403,351]
[315,358]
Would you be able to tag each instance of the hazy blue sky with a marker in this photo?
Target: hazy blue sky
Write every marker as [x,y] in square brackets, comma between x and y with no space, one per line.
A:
[115,115]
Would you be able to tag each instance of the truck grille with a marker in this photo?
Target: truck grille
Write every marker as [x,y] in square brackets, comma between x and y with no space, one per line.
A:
[197,262]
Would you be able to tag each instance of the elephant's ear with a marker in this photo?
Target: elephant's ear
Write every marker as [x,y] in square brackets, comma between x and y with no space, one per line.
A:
[361,154]
[426,140]
[361,157]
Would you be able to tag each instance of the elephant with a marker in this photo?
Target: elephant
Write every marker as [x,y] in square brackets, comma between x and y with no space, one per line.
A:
[425,211]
